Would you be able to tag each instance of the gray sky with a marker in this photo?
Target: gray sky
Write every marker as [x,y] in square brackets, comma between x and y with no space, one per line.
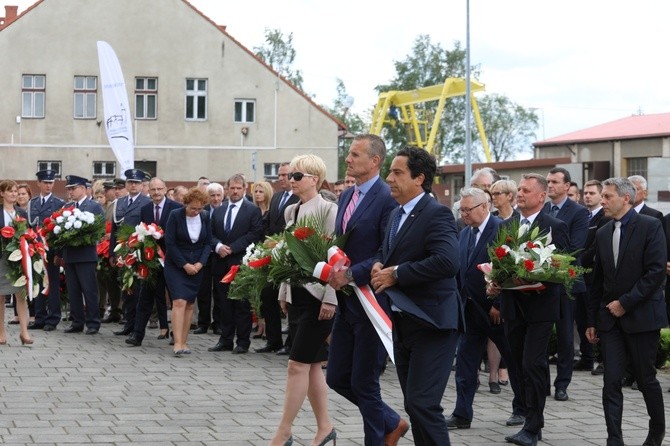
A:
[580,62]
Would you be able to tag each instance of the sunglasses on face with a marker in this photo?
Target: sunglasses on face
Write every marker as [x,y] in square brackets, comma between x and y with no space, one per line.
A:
[297,176]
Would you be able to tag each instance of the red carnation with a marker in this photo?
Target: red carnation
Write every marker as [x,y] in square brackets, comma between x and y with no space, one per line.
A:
[143,271]
[149,253]
[500,252]
[303,233]
[7,232]
[47,221]
[531,245]
[529,265]
[571,272]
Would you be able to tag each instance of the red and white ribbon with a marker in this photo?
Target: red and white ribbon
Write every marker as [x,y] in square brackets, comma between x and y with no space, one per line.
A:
[337,261]
[27,265]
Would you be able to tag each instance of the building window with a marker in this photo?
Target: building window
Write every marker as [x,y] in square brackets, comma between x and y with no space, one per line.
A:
[104,169]
[85,93]
[33,89]
[271,171]
[637,166]
[245,110]
[50,165]
[146,92]
[196,99]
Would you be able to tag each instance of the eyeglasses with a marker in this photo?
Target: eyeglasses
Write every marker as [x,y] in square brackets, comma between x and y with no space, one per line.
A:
[297,176]
[466,211]
[495,194]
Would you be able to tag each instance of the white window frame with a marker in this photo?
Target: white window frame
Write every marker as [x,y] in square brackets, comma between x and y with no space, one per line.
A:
[87,94]
[198,93]
[244,117]
[50,165]
[271,171]
[33,95]
[107,169]
[143,95]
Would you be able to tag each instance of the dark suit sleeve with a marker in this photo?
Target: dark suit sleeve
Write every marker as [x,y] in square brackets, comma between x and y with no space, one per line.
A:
[173,250]
[579,229]
[655,259]
[596,291]
[213,223]
[253,235]
[441,245]
[206,250]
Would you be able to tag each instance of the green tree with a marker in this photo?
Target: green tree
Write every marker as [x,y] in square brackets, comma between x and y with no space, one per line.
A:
[341,109]
[509,127]
[278,52]
[430,64]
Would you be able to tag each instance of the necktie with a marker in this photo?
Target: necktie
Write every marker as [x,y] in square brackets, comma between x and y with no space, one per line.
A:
[282,202]
[130,201]
[472,243]
[616,238]
[554,211]
[76,205]
[44,200]
[157,215]
[395,225]
[590,215]
[229,218]
[525,221]
[350,208]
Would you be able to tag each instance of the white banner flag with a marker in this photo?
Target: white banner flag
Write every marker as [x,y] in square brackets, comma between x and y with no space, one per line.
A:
[118,122]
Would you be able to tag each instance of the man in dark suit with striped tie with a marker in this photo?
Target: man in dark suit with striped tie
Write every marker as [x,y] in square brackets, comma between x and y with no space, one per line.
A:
[47,308]
[80,266]
[156,212]
[276,224]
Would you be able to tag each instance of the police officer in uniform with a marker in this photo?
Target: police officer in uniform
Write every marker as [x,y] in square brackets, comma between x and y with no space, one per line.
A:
[47,307]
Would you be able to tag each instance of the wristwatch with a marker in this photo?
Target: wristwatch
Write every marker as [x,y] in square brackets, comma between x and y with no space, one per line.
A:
[349,274]
[394,274]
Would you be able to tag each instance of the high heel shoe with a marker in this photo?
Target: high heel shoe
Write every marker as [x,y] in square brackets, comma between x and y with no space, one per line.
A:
[25,341]
[331,436]
[3,342]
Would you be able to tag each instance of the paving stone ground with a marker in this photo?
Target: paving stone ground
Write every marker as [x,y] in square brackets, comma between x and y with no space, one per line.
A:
[74,389]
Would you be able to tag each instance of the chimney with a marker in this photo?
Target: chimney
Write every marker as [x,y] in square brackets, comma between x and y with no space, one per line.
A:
[10,16]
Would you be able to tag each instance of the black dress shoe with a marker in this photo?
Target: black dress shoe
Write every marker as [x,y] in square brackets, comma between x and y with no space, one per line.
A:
[163,336]
[35,326]
[111,318]
[217,331]
[583,366]
[220,347]
[524,438]
[494,387]
[92,331]
[654,439]
[598,370]
[267,349]
[284,351]
[516,420]
[124,332]
[561,395]
[200,330]
[456,422]
[240,350]
[72,329]
[132,340]
[48,327]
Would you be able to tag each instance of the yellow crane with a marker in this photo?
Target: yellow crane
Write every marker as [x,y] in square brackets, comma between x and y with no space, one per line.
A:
[399,106]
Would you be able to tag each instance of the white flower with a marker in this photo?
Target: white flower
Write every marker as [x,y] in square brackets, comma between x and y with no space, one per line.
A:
[67,213]
[57,229]
[21,281]
[38,266]
[118,246]
[90,219]
[15,256]
[59,219]
[76,212]
[72,219]
[36,289]
[523,229]
[77,224]
[68,225]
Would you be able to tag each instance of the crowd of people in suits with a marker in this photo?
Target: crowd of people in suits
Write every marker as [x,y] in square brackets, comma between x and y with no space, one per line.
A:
[418,256]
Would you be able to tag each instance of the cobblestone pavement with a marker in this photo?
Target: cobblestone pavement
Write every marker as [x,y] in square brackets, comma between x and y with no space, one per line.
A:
[70,389]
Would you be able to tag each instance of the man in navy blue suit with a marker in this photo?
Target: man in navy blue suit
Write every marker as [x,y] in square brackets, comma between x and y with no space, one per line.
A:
[128,213]
[80,266]
[156,212]
[529,316]
[482,315]
[416,267]
[627,308]
[576,217]
[235,225]
[47,307]
[357,356]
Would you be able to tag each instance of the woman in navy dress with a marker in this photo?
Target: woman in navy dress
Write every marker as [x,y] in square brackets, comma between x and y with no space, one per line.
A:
[187,242]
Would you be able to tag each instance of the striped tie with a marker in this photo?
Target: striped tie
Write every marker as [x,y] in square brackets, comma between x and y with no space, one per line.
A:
[350,209]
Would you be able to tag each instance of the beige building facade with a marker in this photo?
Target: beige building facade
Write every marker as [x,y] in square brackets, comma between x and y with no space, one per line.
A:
[201,103]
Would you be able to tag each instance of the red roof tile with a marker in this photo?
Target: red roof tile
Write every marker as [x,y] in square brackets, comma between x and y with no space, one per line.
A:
[632,127]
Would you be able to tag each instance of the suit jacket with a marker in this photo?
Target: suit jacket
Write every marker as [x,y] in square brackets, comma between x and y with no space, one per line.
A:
[646,210]
[37,211]
[127,215]
[426,252]
[576,217]
[147,216]
[471,282]
[19,212]
[588,256]
[80,254]
[247,229]
[366,228]
[180,250]
[275,219]
[637,281]
[533,306]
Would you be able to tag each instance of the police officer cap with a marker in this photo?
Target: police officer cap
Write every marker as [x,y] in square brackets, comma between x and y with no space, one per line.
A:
[73,180]
[47,175]
[119,182]
[134,175]
[108,184]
